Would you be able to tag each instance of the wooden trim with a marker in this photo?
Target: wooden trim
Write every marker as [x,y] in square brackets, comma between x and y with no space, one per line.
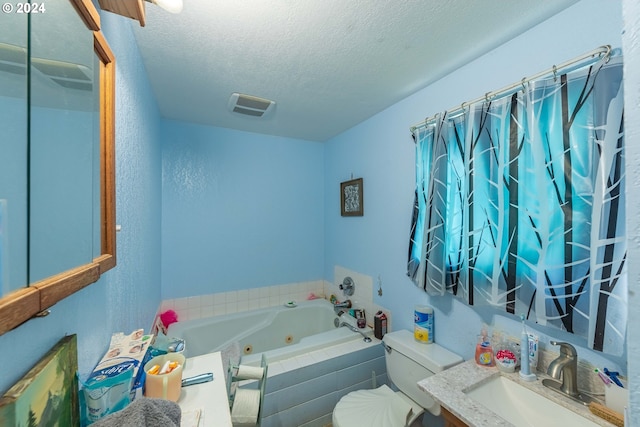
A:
[24,304]
[107,149]
[88,13]
[106,262]
[58,287]
[450,420]
[142,14]
[18,307]
[102,48]
[134,9]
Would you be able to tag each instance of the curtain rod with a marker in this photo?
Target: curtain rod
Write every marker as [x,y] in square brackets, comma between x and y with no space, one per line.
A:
[602,51]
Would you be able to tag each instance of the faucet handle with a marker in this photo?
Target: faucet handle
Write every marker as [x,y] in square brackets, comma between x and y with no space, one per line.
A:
[565,348]
[347,286]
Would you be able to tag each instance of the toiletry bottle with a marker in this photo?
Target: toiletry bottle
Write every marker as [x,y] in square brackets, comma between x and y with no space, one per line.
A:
[525,368]
[361,318]
[379,324]
[484,352]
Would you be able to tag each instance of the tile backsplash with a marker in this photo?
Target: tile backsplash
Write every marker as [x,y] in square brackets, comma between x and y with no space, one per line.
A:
[209,305]
[200,306]
[362,296]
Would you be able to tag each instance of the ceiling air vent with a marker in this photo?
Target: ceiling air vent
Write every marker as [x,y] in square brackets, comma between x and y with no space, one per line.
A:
[250,105]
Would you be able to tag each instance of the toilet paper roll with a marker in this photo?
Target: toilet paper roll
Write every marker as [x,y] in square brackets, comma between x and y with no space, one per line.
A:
[249,372]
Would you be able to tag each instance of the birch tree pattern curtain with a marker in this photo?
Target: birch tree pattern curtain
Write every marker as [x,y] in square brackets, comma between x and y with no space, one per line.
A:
[520,205]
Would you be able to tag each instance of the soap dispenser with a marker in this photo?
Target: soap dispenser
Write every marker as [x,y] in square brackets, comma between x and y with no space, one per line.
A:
[484,352]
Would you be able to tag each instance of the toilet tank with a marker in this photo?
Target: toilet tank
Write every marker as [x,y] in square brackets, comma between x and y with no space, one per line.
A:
[409,361]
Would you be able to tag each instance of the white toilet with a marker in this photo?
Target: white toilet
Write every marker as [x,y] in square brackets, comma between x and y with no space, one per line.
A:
[408,361]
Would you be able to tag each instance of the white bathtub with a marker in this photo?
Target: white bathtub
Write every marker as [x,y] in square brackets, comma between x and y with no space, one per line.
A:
[282,332]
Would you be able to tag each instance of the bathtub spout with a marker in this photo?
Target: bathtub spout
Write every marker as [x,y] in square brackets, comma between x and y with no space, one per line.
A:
[341,305]
[354,329]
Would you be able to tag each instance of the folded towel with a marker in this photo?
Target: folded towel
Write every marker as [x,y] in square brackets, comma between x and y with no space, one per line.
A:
[144,412]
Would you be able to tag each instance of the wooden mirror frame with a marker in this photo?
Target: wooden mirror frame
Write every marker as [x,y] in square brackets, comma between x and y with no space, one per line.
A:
[35,299]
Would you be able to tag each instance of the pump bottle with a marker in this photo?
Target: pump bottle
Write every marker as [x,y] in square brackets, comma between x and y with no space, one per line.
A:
[484,351]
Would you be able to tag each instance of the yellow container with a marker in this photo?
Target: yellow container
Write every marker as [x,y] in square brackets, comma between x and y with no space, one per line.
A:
[164,386]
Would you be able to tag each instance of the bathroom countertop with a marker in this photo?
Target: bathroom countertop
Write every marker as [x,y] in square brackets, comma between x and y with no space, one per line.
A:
[448,387]
[209,399]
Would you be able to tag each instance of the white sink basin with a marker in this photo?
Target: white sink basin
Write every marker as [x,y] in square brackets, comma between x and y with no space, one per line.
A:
[523,407]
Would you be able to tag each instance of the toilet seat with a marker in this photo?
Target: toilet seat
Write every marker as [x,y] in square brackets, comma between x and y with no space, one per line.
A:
[381,407]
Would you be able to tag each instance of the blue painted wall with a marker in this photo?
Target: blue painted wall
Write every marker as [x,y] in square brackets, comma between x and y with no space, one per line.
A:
[239,210]
[127,296]
[215,176]
[381,151]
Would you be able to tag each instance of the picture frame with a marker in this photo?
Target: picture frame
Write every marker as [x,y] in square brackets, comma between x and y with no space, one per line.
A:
[351,198]
[48,393]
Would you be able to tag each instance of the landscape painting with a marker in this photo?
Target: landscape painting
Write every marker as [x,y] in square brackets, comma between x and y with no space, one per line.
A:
[48,394]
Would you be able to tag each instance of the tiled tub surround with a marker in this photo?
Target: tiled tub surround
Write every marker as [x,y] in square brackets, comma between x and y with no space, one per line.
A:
[302,391]
[282,332]
[197,307]
[306,379]
[201,306]
[448,389]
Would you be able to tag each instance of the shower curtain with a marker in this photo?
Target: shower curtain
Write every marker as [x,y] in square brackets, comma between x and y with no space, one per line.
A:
[519,204]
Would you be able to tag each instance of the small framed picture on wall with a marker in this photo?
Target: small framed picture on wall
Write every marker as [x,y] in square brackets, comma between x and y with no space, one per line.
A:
[351,203]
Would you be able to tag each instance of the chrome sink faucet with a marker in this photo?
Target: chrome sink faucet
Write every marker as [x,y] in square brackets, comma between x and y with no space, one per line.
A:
[565,366]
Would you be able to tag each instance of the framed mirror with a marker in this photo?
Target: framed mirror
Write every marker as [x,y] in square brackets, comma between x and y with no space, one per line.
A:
[63,229]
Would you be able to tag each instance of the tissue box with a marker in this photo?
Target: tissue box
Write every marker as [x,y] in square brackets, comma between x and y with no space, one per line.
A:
[117,378]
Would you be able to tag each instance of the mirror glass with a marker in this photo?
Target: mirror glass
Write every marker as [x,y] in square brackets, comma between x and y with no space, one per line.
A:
[50,151]
[13,152]
[63,141]
[57,157]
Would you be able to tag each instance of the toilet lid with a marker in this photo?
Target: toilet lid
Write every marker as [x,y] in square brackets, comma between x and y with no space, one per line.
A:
[373,408]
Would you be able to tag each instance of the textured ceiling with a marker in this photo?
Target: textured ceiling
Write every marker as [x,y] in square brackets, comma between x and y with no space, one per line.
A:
[328,64]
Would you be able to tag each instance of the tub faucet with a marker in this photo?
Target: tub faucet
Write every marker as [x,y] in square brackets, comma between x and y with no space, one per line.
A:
[339,305]
[354,329]
[565,366]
